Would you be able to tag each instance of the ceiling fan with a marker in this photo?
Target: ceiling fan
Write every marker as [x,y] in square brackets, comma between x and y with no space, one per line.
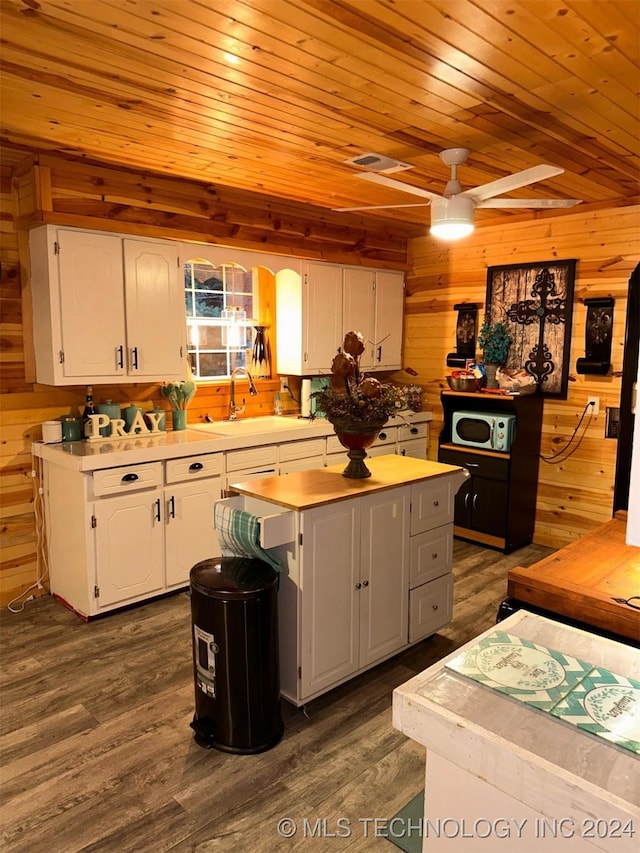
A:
[452,212]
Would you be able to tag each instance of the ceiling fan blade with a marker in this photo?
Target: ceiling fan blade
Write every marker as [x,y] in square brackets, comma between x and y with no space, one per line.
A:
[512,182]
[529,202]
[396,185]
[378,207]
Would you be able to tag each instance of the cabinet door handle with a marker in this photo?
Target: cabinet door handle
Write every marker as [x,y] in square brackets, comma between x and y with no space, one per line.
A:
[436,503]
[172,508]
[157,512]
[434,555]
[380,353]
[358,585]
[129,478]
[475,500]
[365,583]
[434,606]
[120,357]
[196,466]
[134,358]
[466,501]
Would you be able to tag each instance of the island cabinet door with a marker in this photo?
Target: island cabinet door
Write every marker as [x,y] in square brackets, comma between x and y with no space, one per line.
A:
[384,576]
[330,563]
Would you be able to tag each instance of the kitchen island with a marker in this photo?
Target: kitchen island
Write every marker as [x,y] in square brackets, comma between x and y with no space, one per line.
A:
[367,568]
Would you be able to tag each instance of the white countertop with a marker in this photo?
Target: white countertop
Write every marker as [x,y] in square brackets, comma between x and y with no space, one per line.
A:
[196,439]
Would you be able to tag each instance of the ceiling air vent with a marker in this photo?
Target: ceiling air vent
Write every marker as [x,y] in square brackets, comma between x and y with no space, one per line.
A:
[378,163]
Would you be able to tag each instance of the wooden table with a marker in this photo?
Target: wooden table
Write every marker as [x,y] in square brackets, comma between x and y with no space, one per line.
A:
[503,776]
[582,581]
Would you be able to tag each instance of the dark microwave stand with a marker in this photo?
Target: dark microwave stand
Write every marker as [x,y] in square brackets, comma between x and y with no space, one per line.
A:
[497,505]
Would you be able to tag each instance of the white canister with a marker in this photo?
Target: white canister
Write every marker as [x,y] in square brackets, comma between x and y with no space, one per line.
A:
[51,432]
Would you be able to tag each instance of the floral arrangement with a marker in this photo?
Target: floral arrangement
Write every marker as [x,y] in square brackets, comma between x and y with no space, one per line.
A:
[352,395]
[494,340]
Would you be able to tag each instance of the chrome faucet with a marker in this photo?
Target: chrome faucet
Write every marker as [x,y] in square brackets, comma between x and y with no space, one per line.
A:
[234,410]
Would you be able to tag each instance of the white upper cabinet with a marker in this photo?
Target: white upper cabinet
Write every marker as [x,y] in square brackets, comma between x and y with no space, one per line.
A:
[105,308]
[389,317]
[316,309]
[359,309]
[309,316]
[154,308]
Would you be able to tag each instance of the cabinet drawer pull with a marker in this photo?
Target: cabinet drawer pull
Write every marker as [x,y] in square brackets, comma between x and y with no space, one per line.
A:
[434,556]
[358,585]
[196,466]
[382,436]
[471,464]
[414,430]
[436,503]
[434,606]
[365,583]
[130,478]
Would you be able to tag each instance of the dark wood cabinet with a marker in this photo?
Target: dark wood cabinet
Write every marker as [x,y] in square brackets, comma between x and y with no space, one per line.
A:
[497,505]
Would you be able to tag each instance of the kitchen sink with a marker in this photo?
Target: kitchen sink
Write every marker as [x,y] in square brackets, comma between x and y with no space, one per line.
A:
[252,426]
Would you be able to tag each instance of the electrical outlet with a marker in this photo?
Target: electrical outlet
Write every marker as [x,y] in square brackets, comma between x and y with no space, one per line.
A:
[595,408]
[284,382]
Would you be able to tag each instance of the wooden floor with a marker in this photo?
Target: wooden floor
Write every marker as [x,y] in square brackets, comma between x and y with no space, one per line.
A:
[97,753]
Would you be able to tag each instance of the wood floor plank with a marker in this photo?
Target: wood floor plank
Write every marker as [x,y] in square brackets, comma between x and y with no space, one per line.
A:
[97,752]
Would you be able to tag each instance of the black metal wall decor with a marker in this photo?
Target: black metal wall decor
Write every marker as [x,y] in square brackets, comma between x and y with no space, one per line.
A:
[536,302]
[597,337]
[466,326]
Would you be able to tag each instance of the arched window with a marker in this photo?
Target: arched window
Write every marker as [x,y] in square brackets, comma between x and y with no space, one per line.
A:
[221,307]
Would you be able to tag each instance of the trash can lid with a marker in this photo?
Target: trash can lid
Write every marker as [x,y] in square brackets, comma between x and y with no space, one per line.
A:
[233,577]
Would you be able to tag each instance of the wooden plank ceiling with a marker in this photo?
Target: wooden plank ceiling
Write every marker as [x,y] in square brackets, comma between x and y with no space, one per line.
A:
[272,96]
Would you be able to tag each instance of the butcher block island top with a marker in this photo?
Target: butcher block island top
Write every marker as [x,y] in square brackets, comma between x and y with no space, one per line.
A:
[306,489]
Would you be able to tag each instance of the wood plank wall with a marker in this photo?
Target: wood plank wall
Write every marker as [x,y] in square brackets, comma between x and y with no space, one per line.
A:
[54,189]
[577,494]
[572,498]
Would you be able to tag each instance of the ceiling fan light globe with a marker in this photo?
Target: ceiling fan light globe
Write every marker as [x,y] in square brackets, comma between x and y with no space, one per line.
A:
[452,218]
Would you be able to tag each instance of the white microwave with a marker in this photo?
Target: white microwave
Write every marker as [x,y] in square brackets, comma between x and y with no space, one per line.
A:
[484,430]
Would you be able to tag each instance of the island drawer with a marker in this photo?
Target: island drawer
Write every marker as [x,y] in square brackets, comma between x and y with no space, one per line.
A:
[431,555]
[127,478]
[431,504]
[430,607]
[194,467]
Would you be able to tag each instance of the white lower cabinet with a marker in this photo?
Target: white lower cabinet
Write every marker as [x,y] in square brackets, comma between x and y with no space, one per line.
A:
[129,547]
[125,534]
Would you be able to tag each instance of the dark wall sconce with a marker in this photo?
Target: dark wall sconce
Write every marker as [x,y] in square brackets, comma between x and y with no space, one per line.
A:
[598,333]
[466,326]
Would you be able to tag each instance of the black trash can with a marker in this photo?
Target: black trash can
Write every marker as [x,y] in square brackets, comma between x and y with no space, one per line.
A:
[234,610]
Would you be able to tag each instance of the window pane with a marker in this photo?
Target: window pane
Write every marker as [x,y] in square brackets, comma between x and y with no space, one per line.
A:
[208,304]
[213,364]
[213,341]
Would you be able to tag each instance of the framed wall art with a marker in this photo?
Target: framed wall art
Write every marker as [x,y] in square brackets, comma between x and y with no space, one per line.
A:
[536,302]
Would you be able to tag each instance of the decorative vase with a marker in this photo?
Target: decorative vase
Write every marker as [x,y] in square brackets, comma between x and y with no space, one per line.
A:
[491,370]
[179,419]
[260,361]
[356,436]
